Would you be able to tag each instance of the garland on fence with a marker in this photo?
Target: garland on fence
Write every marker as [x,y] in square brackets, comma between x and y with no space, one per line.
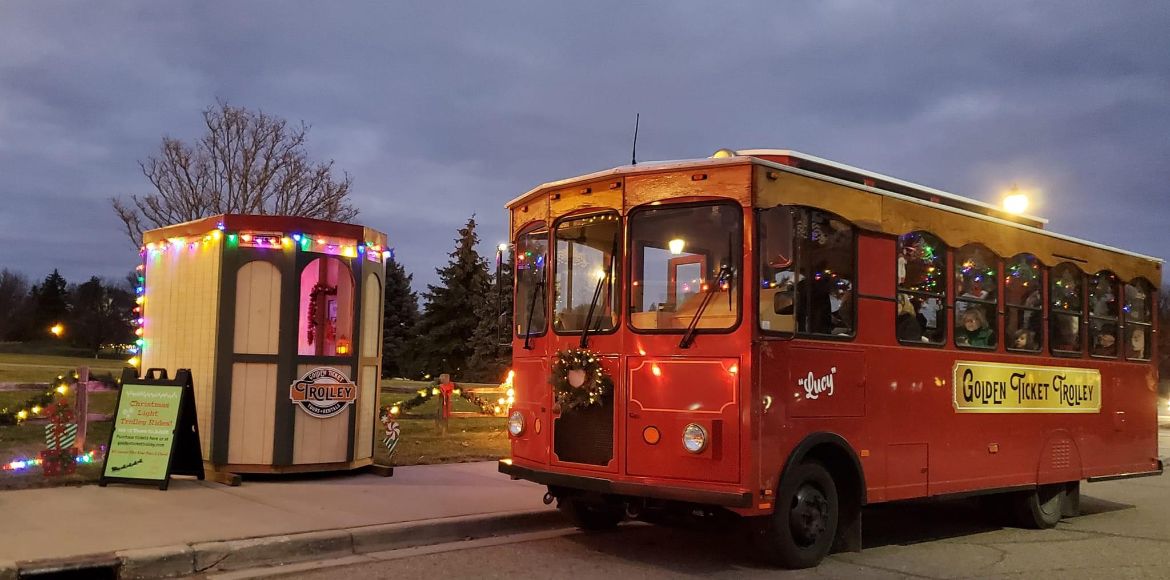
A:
[37,404]
[578,380]
[486,406]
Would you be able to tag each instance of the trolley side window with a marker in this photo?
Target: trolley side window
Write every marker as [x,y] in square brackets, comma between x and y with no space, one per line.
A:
[679,256]
[1104,302]
[919,316]
[812,287]
[976,289]
[1023,286]
[1138,309]
[1065,309]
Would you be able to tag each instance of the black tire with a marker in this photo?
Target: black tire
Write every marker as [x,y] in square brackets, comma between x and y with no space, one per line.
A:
[800,532]
[592,516]
[1041,508]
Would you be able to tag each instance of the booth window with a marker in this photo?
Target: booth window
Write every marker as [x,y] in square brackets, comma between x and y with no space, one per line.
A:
[1066,307]
[1104,294]
[922,289]
[326,319]
[531,294]
[1023,285]
[976,289]
[587,262]
[1138,308]
[681,254]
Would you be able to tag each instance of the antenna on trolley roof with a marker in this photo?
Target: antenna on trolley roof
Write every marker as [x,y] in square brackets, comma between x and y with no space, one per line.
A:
[634,153]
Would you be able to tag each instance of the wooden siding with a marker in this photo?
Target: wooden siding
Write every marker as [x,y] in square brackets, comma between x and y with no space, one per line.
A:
[181,317]
[252,414]
[257,308]
[321,440]
[367,413]
[371,317]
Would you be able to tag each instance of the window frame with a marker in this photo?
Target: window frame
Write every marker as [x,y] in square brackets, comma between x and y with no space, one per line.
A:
[1090,318]
[1051,313]
[528,229]
[796,263]
[1038,310]
[995,304]
[943,316]
[615,282]
[628,263]
[1152,299]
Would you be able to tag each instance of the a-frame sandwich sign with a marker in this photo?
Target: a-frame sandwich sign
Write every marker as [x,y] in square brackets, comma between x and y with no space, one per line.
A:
[156,434]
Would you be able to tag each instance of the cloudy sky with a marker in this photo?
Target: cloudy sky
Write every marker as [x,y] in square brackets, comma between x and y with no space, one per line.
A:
[440,110]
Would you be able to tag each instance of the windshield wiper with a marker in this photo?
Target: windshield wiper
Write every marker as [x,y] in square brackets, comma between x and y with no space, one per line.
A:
[597,294]
[688,337]
[537,289]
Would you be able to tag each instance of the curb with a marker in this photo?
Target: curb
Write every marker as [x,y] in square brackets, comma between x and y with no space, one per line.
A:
[222,556]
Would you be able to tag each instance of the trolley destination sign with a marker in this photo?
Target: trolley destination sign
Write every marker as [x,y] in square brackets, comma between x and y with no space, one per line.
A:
[1007,388]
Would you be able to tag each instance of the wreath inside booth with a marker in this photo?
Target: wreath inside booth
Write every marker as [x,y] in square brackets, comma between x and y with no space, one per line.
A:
[578,380]
[315,295]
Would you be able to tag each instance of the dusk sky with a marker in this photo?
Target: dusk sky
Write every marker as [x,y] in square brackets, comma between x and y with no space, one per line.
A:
[439,112]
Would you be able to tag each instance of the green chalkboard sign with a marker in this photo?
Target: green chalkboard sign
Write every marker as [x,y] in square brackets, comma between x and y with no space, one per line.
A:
[155,432]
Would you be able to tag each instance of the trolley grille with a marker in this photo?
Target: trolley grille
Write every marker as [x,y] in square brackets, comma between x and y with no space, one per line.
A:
[585,435]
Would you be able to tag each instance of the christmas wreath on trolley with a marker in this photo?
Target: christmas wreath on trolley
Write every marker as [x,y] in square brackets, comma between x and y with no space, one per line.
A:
[578,380]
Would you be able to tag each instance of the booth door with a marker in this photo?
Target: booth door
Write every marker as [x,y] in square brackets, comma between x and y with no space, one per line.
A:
[253,391]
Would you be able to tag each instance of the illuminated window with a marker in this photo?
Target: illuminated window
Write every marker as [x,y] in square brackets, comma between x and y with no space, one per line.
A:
[922,289]
[1138,308]
[976,289]
[1104,300]
[1023,294]
[1065,309]
[326,319]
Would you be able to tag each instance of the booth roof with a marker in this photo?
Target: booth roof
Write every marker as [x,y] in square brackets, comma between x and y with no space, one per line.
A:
[265,223]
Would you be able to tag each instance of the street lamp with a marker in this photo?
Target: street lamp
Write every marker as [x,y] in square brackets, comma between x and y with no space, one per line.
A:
[1015,201]
[57,330]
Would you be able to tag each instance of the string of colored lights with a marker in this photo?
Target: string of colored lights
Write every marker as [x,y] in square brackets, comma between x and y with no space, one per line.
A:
[30,462]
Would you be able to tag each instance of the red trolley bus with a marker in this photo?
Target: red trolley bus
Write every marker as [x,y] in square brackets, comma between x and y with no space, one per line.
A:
[790,339]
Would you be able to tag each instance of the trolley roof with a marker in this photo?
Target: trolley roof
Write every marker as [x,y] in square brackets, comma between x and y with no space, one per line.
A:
[832,171]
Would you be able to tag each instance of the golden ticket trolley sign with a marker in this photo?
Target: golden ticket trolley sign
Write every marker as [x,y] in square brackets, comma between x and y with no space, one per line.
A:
[323,392]
[1007,388]
[155,431]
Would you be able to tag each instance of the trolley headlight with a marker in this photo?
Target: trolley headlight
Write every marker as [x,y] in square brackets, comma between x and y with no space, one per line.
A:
[694,438]
[516,423]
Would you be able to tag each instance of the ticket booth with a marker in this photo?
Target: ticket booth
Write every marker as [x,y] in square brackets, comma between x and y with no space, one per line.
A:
[280,321]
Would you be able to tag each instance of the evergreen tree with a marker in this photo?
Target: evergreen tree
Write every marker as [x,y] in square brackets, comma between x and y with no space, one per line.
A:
[50,302]
[450,317]
[493,337]
[399,321]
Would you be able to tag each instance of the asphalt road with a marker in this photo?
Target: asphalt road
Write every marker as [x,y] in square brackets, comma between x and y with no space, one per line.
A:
[1124,532]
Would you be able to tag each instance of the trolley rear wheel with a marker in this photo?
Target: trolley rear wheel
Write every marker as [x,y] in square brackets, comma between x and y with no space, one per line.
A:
[1041,508]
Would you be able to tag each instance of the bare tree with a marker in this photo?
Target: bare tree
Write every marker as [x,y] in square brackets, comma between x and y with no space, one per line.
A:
[247,162]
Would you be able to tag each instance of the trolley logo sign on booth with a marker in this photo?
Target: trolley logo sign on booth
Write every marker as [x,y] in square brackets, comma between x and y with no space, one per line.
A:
[1006,388]
[323,392]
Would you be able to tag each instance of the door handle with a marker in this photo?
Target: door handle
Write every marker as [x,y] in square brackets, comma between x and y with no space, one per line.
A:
[634,415]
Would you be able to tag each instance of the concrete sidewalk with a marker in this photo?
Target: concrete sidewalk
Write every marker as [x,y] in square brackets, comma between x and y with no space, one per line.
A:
[72,522]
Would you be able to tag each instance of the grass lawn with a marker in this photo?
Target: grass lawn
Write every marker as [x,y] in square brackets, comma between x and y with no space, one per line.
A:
[38,368]
[28,439]
[469,438]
